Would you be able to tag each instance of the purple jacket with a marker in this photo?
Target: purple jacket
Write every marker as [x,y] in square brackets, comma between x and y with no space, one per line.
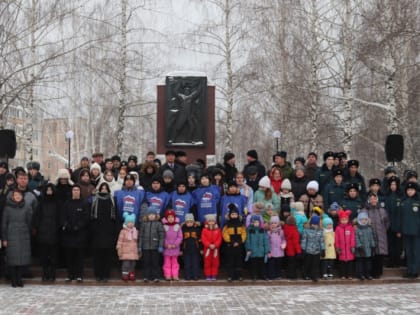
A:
[277,242]
[173,236]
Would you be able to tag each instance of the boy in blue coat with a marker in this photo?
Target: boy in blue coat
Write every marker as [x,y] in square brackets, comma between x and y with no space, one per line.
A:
[157,197]
[206,198]
[232,196]
[313,246]
[181,200]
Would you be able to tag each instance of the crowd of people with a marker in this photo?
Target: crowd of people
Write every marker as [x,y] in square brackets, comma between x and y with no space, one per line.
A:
[289,220]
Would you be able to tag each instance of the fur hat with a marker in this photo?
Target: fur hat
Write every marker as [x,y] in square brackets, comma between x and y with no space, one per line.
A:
[337,172]
[326,221]
[63,173]
[132,158]
[129,217]
[253,154]
[389,170]
[411,185]
[313,184]
[265,182]
[352,163]
[362,215]
[298,206]
[33,165]
[189,217]
[374,181]
[344,214]
[300,159]
[328,154]
[352,186]
[315,219]
[286,184]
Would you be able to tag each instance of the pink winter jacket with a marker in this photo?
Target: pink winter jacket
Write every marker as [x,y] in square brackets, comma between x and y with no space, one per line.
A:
[128,249]
[173,236]
[345,241]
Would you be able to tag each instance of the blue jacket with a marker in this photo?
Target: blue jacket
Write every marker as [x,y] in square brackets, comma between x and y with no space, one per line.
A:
[257,242]
[238,200]
[206,199]
[129,201]
[158,200]
[181,203]
[312,241]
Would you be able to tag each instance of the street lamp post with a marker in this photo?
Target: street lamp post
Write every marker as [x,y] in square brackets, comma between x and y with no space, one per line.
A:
[276,135]
[69,136]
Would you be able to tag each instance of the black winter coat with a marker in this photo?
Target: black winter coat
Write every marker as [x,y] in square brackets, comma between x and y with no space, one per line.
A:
[103,227]
[74,222]
[46,221]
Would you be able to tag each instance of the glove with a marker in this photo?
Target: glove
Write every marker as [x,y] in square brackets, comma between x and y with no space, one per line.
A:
[338,250]
[248,255]
[160,250]
[265,259]
[361,251]
[323,253]
[353,250]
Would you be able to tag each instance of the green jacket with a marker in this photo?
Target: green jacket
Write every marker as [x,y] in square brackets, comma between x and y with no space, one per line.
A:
[409,218]
[257,242]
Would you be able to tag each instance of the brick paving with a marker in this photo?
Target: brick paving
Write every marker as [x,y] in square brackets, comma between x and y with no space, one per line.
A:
[326,299]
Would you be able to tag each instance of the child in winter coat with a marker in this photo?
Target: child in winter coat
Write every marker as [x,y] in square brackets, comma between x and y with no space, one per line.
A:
[257,209]
[314,247]
[327,262]
[257,248]
[191,246]
[234,235]
[345,244]
[211,238]
[293,248]
[127,247]
[365,246]
[277,246]
[173,239]
[286,195]
[152,237]
[298,211]
[232,197]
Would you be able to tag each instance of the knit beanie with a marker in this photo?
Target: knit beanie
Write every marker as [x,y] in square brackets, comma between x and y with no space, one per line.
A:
[95,165]
[326,221]
[286,184]
[265,182]
[313,184]
[129,217]
[315,219]
[152,210]
[334,206]
[189,217]
[362,215]
[298,206]
[275,219]
[168,173]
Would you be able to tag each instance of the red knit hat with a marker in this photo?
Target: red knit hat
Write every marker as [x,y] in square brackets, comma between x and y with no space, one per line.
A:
[170,212]
[344,214]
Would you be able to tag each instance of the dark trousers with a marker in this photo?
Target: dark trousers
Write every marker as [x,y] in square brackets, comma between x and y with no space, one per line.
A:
[257,267]
[395,248]
[74,261]
[327,266]
[291,267]
[234,258]
[15,273]
[346,269]
[191,265]
[151,264]
[377,266]
[102,258]
[274,267]
[311,266]
[412,253]
[364,267]
[48,259]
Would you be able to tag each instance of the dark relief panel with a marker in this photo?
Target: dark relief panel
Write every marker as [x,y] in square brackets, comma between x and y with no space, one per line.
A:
[186,111]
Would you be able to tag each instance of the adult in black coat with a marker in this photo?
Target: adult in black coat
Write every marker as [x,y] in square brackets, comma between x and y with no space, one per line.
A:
[74,222]
[170,164]
[299,182]
[45,224]
[103,231]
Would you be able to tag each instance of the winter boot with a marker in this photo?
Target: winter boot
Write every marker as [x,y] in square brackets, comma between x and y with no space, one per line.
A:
[125,277]
[132,276]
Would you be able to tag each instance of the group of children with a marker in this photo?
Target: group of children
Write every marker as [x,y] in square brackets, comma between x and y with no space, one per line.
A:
[267,245]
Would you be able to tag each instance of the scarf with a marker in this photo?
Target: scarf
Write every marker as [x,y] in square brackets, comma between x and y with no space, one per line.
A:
[132,233]
[94,208]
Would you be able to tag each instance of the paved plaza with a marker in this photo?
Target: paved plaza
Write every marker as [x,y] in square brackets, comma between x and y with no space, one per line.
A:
[311,299]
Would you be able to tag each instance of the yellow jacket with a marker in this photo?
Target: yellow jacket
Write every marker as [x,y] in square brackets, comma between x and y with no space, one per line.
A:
[329,238]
